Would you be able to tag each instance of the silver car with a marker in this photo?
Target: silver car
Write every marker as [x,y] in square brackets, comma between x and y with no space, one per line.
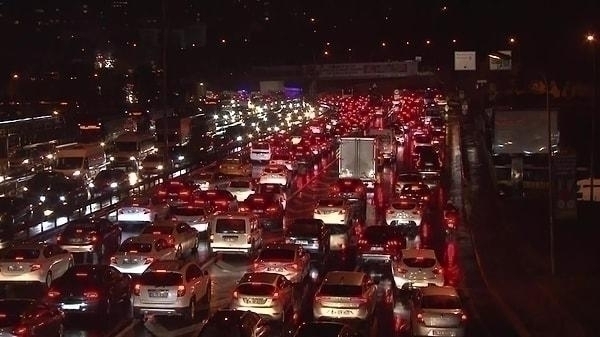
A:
[404,212]
[197,216]
[241,188]
[287,259]
[270,295]
[438,311]
[178,234]
[345,295]
[38,262]
[137,253]
[172,288]
[417,268]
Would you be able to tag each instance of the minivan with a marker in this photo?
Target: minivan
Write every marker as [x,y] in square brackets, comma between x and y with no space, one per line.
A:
[235,233]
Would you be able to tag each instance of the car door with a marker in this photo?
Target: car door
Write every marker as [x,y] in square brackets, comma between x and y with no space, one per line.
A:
[184,231]
[52,260]
[194,277]
[65,258]
[304,262]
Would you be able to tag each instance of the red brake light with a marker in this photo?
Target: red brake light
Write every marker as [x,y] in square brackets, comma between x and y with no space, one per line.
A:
[53,293]
[162,192]
[35,267]
[184,193]
[148,260]
[402,270]
[20,331]
[362,242]
[275,295]
[420,317]
[180,291]
[91,295]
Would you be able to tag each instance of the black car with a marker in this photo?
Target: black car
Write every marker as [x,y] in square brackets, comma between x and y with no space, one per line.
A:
[312,234]
[109,181]
[325,329]
[99,236]
[53,192]
[88,288]
[234,323]
[30,317]
[14,216]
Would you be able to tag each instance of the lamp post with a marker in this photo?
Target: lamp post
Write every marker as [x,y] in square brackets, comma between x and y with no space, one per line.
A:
[591,39]
[550,184]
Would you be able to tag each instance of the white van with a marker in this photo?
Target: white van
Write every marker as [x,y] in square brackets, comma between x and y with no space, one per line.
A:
[260,151]
[235,233]
[132,146]
[80,161]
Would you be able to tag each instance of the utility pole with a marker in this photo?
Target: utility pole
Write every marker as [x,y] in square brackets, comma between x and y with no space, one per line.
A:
[550,185]
[594,116]
[165,84]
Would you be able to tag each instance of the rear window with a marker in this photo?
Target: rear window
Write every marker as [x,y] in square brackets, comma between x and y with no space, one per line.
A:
[21,254]
[260,146]
[166,279]
[273,254]
[158,230]
[309,229]
[135,247]
[331,203]
[239,184]
[337,229]
[341,290]
[376,233]
[440,302]
[188,211]
[256,289]
[419,262]
[422,139]
[412,178]
[403,205]
[273,170]
[84,276]
[226,226]
[232,161]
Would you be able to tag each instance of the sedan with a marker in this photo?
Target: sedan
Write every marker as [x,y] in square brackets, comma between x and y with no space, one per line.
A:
[98,236]
[235,166]
[267,294]
[311,234]
[267,207]
[194,214]
[407,178]
[111,180]
[38,262]
[288,260]
[417,268]
[141,209]
[416,191]
[405,213]
[138,252]
[14,214]
[204,181]
[88,288]
[240,188]
[31,318]
[178,234]
[332,211]
[221,201]
[438,311]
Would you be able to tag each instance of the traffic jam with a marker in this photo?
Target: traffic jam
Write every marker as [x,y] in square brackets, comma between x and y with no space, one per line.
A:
[342,226]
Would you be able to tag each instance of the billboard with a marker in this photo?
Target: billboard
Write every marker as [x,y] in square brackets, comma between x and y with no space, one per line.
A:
[464,61]
[367,70]
[503,60]
[524,131]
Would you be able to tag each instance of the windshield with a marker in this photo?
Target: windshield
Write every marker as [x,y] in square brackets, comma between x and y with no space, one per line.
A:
[419,262]
[440,302]
[126,146]
[153,158]
[21,254]
[340,290]
[68,163]
[188,211]
[260,146]
[274,254]
[227,226]
[166,279]
[239,184]
[135,247]
[107,174]
[336,203]
[158,230]
[403,206]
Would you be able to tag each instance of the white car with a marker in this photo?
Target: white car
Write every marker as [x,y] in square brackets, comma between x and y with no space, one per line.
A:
[37,262]
[137,253]
[240,188]
[141,209]
[197,216]
[332,211]
[404,212]
[275,174]
[287,259]
[417,268]
[438,311]
[407,178]
[284,159]
[177,233]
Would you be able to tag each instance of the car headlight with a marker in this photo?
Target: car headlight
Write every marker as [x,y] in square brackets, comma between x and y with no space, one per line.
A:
[48,212]
[25,189]
[26,161]
[91,185]
[113,185]
[180,158]
[133,178]
[42,198]
[50,156]
[159,167]
[77,173]
[111,158]
[62,198]
[132,158]
[141,167]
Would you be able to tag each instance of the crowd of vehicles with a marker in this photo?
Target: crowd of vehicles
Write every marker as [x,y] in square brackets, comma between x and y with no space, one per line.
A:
[232,206]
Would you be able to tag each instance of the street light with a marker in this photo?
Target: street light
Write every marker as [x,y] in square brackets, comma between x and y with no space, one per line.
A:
[591,39]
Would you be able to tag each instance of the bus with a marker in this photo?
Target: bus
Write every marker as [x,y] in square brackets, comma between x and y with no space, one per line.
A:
[132,146]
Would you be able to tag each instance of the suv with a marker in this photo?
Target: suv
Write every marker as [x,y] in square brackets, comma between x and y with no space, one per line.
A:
[311,234]
[235,233]
[172,287]
[348,295]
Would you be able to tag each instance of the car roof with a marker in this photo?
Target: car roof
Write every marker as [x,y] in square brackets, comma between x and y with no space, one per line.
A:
[266,278]
[344,277]
[437,290]
[144,238]
[413,252]
[29,245]
[289,246]
[168,265]
[164,223]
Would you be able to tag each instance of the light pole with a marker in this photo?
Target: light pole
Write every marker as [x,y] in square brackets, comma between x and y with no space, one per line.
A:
[590,38]
[550,185]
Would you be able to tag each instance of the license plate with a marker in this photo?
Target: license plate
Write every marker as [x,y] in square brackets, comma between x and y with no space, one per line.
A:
[341,312]
[301,242]
[254,300]
[161,294]
[129,261]
[377,248]
[279,270]
[441,333]
[419,284]
[15,268]
[71,306]
[230,238]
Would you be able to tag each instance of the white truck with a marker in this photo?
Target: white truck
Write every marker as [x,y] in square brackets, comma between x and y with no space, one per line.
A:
[358,159]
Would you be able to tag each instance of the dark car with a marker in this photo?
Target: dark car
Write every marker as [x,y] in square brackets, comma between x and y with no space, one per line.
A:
[30,317]
[88,288]
[109,181]
[312,234]
[221,201]
[52,192]
[175,192]
[325,329]
[267,207]
[380,243]
[418,191]
[14,216]
[234,323]
[98,235]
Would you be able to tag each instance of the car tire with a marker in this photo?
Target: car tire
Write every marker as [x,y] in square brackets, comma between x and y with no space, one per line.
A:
[49,279]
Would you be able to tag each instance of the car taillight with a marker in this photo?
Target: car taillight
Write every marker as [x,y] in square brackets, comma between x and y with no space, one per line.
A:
[343,211]
[35,267]
[137,289]
[180,291]
[184,193]
[244,209]
[402,270]
[319,299]
[316,211]
[362,242]
[275,296]
[360,299]
[420,318]
[390,211]
[393,243]
[148,260]
[272,209]
[59,237]
[211,238]
[171,240]
[162,192]
[235,294]
[91,295]
[20,331]
[94,238]
[113,260]
[463,318]
[53,293]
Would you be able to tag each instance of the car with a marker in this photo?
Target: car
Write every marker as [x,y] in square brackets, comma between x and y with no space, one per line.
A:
[220,201]
[380,242]
[422,150]
[30,317]
[53,192]
[275,189]
[416,191]
[287,259]
[348,188]
[206,180]
[235,323]
[325,329]
[345,295]
[407,178]
[267,208]
[15,213]
[141,209]
[235,233]
[172,288]
[97,235]
[111,180]
[275,174]
[136,253]
[240,188]
[332,211]
[438,311]
[39,262]
[90,288]
[235,166]
[310,234]
[174,192]
[178,234]
[404,213]
[285,159]
[193,214]
[267,294]
[260,151]
[154,164]
[417,268]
